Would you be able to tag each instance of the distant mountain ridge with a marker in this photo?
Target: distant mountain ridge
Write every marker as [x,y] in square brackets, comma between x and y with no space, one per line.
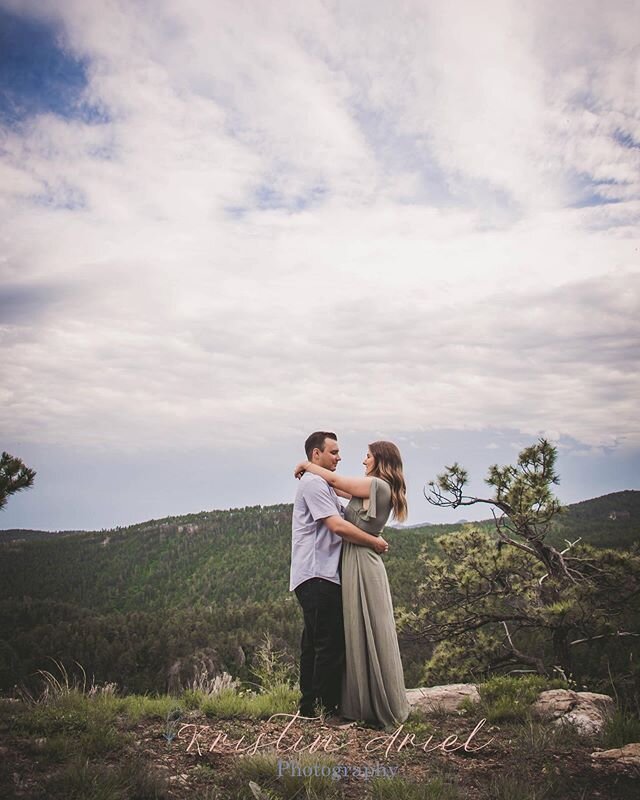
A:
[594,510]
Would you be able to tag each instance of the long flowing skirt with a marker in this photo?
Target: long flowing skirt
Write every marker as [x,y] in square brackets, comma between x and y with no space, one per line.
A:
[373,688]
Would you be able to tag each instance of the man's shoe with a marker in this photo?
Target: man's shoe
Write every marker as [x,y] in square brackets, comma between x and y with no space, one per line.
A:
[334,720]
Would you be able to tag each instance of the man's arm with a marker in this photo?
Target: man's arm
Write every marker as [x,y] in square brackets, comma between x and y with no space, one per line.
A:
[342,484]
[351,533]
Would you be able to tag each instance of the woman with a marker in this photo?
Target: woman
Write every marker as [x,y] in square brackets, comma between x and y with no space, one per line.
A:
[373,687]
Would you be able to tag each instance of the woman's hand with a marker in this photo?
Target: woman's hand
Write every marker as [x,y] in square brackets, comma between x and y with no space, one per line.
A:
[302,467]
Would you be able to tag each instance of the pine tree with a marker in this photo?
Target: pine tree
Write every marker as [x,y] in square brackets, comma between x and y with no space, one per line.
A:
[14,477]
[512,599]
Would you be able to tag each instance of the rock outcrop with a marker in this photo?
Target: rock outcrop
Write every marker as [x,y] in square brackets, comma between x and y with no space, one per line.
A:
[196,670]
[586,711]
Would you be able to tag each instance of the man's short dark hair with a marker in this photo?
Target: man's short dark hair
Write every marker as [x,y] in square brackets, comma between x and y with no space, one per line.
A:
[317,440]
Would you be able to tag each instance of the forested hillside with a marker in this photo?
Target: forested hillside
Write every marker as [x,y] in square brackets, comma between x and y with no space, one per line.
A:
[612,520]
[137,605]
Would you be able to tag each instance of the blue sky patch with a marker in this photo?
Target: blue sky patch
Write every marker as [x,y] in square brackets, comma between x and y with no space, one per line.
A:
[400,153]
[587,191]
[595,199]
[266,197]
[38,74]
[626,140]
[23,304]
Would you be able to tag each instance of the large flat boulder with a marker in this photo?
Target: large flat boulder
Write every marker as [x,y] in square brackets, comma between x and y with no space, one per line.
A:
[445,699]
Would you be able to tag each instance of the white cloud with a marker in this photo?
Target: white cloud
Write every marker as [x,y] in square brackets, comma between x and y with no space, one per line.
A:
[304,211]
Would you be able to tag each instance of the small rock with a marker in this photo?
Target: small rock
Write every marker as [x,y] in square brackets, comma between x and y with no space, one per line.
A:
[442,698]
[627,756]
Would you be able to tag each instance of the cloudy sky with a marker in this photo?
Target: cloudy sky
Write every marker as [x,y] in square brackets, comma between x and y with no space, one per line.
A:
[226,224]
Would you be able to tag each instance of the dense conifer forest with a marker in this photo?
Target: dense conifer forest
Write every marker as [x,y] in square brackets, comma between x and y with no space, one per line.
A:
[142,606]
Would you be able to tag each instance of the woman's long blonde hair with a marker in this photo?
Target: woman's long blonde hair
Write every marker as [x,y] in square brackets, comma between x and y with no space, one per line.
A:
[388,466]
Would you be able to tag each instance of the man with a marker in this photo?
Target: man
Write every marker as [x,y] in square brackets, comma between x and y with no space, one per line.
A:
[318,528]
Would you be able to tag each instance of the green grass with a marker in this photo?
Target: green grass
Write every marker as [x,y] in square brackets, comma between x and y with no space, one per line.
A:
[281,699]
[622,728]
[79,728]
[69,710]
[71,724]
[137,707]
[83,780]
[192,699]
[506,698]
[400,789]
[72,714]
[419,725]
[514,786]
[537,737]
[95,742]
[274,780]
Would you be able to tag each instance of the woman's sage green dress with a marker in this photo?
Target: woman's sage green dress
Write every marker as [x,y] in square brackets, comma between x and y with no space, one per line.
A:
[373,686]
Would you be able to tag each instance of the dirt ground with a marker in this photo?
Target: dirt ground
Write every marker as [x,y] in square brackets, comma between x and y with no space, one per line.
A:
[199,757]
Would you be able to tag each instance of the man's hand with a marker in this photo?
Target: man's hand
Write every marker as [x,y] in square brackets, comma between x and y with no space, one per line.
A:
[380,545]
[341,527]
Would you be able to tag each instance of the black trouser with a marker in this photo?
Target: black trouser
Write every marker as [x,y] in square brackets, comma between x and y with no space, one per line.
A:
[322,647]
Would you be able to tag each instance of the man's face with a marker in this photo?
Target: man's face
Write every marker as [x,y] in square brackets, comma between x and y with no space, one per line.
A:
[329,457]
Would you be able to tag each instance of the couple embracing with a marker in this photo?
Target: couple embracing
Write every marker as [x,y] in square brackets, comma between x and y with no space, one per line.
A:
[350,661]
